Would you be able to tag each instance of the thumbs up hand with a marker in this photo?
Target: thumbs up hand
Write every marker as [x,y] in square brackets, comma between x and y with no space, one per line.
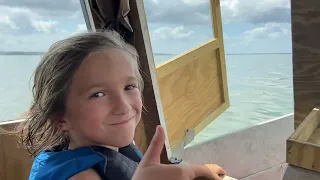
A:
[150,167]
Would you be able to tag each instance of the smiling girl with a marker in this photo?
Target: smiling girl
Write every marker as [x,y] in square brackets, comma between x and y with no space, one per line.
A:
[87,102]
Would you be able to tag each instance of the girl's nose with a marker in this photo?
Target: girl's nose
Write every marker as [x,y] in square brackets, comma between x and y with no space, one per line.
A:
[121,106]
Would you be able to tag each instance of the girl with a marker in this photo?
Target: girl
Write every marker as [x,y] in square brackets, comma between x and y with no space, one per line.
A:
[87,104]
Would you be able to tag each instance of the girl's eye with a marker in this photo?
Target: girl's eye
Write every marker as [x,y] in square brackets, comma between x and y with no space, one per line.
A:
[130,87]
[96,95]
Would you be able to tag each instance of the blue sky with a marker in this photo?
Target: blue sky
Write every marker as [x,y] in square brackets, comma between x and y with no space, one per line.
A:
[249,26]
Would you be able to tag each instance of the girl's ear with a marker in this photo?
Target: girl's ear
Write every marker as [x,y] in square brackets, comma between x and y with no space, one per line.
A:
[62,122]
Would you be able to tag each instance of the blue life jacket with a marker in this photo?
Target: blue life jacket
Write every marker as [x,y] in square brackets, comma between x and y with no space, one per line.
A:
[59,164]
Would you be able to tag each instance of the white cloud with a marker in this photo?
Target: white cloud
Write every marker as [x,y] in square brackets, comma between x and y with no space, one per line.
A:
[185,12]
[33,42]
[155,1]
[269,30]
[195,2]
[267,35]
[194,12]
[6,23]
[24,28]
[82,27]
[45,26]
[22,21]
[29,22]
[47,8]
[16,20]
[177,39]
[176,33]
[254,11]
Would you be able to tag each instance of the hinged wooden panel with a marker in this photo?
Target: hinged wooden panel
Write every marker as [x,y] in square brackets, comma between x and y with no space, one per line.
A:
[193,86]
[191,90]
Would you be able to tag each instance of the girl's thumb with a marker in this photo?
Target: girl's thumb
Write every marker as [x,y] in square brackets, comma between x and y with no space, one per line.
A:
[152,156]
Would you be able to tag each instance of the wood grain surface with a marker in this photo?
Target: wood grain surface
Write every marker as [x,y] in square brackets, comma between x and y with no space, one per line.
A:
[306,56]
[15,162]
[193,86]
[303,146]
[192,91]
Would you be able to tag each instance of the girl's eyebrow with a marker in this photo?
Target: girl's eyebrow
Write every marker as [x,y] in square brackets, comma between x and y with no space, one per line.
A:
[90,86]
[132,78]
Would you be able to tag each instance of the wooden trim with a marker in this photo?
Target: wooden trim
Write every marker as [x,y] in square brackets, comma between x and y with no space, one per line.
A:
[304,155]
[216,18]
[308,125]
[304,142]
[303,146]
[189,56]
[151,95]
[218,33]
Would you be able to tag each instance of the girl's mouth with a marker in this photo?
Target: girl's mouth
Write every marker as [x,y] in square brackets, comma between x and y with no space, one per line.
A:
[122,122]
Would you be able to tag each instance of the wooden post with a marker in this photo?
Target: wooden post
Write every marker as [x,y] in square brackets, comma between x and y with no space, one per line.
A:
[151,96]
[306,56]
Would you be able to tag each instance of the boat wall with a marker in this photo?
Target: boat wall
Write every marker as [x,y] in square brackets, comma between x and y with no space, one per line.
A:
[248,151]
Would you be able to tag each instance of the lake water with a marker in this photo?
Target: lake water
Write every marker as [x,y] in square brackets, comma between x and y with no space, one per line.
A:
[260,88]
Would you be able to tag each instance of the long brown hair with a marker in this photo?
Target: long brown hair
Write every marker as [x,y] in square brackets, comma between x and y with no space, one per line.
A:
[51,81]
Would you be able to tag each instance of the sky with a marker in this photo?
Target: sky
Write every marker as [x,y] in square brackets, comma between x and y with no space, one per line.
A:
[249,26]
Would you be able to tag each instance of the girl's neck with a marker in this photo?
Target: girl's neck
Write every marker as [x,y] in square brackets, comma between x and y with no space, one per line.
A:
[73,146]
[113,148]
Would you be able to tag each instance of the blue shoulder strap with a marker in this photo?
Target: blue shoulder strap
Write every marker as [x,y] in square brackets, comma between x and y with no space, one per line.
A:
[131,151]
[64,164]
[108,163]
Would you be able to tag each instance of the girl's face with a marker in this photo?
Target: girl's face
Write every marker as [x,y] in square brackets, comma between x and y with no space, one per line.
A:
[103,105]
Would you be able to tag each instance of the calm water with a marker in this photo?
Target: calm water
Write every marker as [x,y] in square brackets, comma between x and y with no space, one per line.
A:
[260,88]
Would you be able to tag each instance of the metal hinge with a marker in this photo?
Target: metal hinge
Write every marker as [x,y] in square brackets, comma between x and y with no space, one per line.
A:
[177,155]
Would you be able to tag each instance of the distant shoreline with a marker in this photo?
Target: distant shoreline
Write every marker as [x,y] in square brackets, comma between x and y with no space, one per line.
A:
[21,53]
[254,53]
[159,54]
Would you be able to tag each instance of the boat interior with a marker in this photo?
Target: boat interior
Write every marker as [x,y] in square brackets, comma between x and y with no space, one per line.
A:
[287,147]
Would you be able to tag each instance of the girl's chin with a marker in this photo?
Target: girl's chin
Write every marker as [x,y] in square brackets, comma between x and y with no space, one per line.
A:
[122,140]
[121,144]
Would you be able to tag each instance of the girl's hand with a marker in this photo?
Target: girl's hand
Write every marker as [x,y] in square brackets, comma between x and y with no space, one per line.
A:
[150,167]
[215,170]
